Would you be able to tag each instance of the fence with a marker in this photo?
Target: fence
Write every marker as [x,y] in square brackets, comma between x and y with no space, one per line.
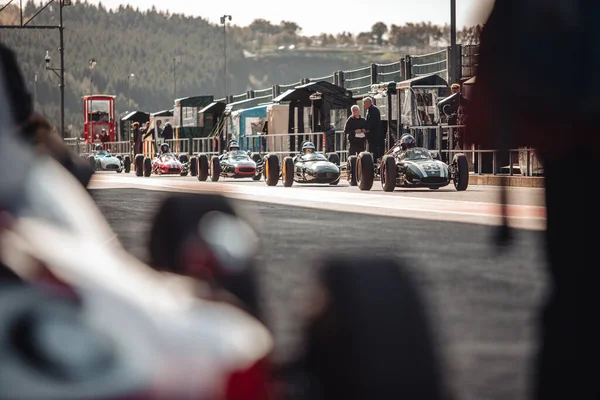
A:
[429,64]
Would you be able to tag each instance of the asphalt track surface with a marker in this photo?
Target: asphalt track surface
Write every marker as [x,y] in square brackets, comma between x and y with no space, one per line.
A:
[482,300]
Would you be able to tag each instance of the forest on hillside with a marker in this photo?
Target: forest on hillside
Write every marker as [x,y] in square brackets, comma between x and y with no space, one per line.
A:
[147,58]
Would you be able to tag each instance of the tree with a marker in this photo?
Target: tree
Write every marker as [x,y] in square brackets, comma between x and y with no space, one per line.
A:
[263,26]
[378,30]
[363,38]
[290,27]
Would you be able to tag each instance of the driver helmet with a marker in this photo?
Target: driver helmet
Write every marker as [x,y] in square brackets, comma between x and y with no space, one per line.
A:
[98,147]
[164,148]
[234,146]
[407,141]
[308,148]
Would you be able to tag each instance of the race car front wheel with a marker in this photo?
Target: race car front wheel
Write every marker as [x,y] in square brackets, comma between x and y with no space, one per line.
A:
[351,170]
[461,172]
[147,167]
[365,171]
[388,173]
[139,165]
[287,171]
[127,164]
[194,166]
[202,167]
[272,169]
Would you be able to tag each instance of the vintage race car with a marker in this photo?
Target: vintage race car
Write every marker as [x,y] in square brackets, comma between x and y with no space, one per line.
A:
[234,164]
[414,167]
[311,168]
[102,160]
[162,164]
[302,168]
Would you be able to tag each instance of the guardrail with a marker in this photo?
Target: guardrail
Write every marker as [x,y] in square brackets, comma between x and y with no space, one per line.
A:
[291,143]
[447,139]
[206,145]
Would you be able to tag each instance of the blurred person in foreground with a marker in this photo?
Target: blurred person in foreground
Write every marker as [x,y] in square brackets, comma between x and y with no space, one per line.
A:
[203,236]
[524,96]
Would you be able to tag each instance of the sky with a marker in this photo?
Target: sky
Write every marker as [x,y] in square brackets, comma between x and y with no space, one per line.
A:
[322,16]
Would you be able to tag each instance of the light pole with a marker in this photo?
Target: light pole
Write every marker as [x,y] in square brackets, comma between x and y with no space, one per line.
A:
[129,78]
[35,79]
[453,48]
[224,19]
[60,73]
[176,61]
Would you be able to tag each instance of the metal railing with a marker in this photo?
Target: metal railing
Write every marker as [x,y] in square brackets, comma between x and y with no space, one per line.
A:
[179,145]
[447,139]
[284,144]
[206,145]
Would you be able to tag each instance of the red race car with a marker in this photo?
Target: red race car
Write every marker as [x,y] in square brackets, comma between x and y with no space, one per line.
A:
[165,163]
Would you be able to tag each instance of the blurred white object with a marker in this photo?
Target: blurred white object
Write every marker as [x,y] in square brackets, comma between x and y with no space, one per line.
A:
[192,344]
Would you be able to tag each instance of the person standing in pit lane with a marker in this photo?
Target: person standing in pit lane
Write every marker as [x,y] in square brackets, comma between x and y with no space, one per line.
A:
[356,128]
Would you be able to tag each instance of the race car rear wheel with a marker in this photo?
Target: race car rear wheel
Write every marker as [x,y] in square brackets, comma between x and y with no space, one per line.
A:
[147,167]
[461,172]
[365,171]
[287,171]
[127,164]
[334,158]
[215,168]
[92,161]
[183,158]
[139,165]
[351,170]
[194,166]
[389,173]
[271,169]
[202,167]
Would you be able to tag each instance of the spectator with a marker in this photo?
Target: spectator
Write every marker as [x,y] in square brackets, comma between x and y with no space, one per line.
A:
[167,133]
[356,128]
[374,135]
[104,136]
[136,137]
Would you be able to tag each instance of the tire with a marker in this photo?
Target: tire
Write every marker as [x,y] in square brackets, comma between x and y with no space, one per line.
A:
[92,162]
[287,171]
[256,157]
[202,167]
[461,172]
[194,166]
[139,165]
[185,173]
[257,177]
[362,293]
[365,172]
[271,169]
[127,164]
[215,169]
[334,183]
[147,167]
[389,173]
[120,170]
[351,170]
[334,158]
[120,158]
[183,158]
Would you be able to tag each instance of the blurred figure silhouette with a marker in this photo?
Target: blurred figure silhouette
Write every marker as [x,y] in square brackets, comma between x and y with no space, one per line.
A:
[536,87]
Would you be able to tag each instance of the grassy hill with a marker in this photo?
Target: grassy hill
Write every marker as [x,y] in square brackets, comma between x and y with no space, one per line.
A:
[127,41]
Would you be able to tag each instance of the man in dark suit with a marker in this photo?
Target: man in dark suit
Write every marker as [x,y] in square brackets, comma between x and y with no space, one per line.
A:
[374,135]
